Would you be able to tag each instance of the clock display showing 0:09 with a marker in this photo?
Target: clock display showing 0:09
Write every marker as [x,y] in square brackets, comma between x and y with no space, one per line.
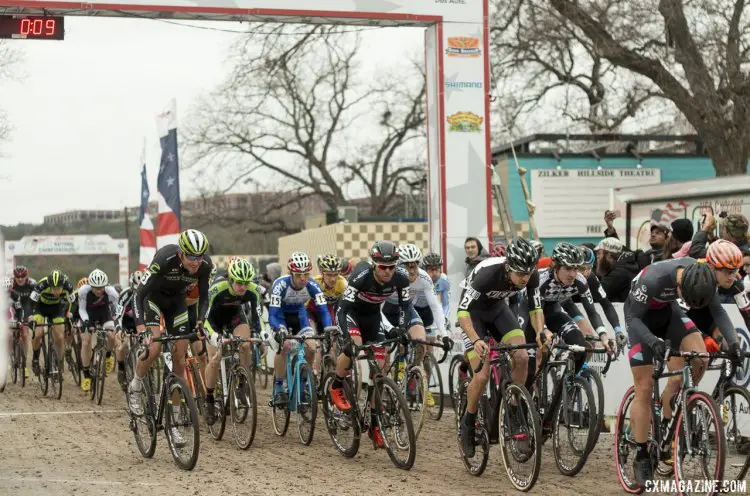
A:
[32,28]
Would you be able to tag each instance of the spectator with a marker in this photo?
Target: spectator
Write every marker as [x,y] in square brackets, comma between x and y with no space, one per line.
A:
[475,253]
[616,267]
[746,268]
[273,272]
[733,228]
[659,235]
[679,242]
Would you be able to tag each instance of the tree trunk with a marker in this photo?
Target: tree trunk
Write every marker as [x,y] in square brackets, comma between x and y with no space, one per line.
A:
[729,151]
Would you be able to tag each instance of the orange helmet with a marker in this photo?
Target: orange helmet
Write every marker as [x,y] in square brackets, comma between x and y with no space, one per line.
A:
[723,254]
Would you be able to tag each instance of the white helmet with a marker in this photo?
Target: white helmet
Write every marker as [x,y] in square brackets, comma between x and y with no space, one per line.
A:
[193,243]
[135,278]
[8,283]
[98,279]
[409,253]
[299,262]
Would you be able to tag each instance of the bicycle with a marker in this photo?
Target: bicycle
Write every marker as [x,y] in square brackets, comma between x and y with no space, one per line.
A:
[159,413]
[594,377]
[73,351]
[258,367]
[689,426]
[194,376]
[18,354]
[49,370]
[385,409]
[236,393]
[300,379]
[330,349]
[570,405]
[519,424]
[97,366]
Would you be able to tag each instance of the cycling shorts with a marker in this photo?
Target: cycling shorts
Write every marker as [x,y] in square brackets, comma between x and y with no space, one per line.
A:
[668,322]
[54,314]
[393,312]
[174,310]
[498,322]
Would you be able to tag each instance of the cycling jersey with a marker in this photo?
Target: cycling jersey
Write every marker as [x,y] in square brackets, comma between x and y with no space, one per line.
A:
[15,307]
[163,290]
[489,283]
[443,291]
[332,296]
[553,292]
[96,309]
[288,304]
[124,310]
[48,306]
[423,299]
[600,297]
[651,310]
[358,312]
[24,292]
[227,309]
[737,293]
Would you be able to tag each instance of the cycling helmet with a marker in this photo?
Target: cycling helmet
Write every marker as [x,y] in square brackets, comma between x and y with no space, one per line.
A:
[299,263]
[567,255]
[20,271]
[498,251]
[698,285]
[232,259]
[56,278]
[193,243]
[98,279]
[432,260]
[723,254]
[241,271]
[347,266]
[82,282]
[7,283]
[538,246]
[329,263]
[588,255]
[409,253]
[384,252]
[521,256]
[135,279]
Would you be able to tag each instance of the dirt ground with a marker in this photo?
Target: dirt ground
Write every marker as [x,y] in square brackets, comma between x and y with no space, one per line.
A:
[51,447]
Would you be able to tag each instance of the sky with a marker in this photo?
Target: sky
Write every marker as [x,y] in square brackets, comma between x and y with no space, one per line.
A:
[86,104]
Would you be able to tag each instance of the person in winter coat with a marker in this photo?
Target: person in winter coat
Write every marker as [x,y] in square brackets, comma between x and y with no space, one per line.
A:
[733,228]
[475,253]
[616,268]
[679,242]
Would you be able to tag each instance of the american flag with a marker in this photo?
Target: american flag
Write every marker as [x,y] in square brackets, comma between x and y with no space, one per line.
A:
[147,237]
[168,181]
[669,213]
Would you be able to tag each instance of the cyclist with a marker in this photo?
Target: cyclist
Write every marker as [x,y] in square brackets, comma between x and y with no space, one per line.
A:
[653,314]
[483,311]
[23,285]
[287,315]
[359,316]
[162,293]
[15,308]
[333,285]
[226,300]
[432,263]
[125,321]
[95,302]
[52,297]
[544,260]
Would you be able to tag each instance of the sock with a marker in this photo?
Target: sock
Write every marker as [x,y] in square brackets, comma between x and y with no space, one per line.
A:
[209,395]
[36,354]
[86,373]
[641,451]
[109,354]
[338,381]
[121,365]
[470,418]
[279,383]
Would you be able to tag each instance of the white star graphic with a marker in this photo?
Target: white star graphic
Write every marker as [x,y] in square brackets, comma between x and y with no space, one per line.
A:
[145,194]
[170,157]
[170,181]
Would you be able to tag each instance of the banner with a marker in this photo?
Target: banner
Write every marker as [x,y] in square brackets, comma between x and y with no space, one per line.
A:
[147,235]
[168,182]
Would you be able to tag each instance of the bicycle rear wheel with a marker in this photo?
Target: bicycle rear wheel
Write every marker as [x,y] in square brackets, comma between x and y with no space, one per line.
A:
[181,424]
[573,425]
[520,436]
[16,362]
[597,387]
[707,442]
[395,423]
[435,387]
[280,417]
[307,404]
[55,372]
[343,426]
[478,463]
[736,401]
[43,376]
[70,358]
[221,408]
[243,408]
[455,376]
[625,446]
[414,390]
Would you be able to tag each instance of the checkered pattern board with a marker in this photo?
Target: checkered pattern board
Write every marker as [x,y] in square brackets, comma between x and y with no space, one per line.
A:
[355,240]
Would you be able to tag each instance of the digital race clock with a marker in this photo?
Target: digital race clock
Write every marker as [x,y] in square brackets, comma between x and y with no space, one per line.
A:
[32,28]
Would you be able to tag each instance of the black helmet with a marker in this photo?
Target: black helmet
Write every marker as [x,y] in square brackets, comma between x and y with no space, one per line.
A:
[432,260]
[56,278]
[384,252]
[567,255]
[521,256]
[698,285]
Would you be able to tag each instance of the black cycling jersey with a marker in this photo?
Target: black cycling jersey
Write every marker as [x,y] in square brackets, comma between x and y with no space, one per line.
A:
[24,292]
[167,279]
[655,287]
[364,295]
[552,292]
[735,294]
[600,297]
[224,305]
[43,295]
[15,306]
[489,283]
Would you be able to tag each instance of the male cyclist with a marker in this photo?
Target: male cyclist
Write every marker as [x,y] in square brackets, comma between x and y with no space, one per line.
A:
[359,316]
[51,296]
[287,315]
[23,285]
[162,293]
[95,302]
[226,299]
[333,285]
[653,314]
[432,263]
[483,311]
[125,321]
[14,310]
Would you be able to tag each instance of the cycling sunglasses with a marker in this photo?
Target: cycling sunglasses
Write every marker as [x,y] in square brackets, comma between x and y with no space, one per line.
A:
[193,258]
[386,266]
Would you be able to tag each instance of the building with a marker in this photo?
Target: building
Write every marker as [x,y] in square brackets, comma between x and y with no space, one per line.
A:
[73,216]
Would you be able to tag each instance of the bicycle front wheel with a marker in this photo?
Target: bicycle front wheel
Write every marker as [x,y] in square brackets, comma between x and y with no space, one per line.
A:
[702,452]
[597,387]
[736,401]
[101,373]
[343,425]
[395,423]
[573,425]
[181,424]
[307,404]
[43,369]
[414,390]
[55,372]
[243,408]
[434,387]
[520,436]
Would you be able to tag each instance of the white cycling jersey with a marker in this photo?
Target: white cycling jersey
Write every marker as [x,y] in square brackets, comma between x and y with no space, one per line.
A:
[422,295]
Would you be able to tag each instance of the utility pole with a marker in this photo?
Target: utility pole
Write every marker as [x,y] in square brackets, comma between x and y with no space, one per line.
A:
[127,225]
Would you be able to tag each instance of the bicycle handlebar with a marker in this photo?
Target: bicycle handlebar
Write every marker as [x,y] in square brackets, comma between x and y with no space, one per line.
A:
[143,354]
[503,348]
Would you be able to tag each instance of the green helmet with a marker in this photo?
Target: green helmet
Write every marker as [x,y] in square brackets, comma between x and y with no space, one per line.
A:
[241,271]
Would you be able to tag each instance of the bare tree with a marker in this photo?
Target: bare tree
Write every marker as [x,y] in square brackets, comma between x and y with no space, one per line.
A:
[10,59]
[541,61]
[695,52]
[294,117]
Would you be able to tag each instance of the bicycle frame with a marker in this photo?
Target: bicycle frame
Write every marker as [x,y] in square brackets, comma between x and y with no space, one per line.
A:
[293,373]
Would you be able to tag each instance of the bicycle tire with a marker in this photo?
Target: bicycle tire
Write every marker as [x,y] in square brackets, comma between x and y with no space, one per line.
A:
[146,445]
[381,383]
[417,402]
[197,389]
[243,387]
[43,373]
[16,362]
[435,378]
[625,445]
[480,433]
[533,427]
[75,371]
[582,453]
[174,383]
[221,407]
[721,450]
[101,376]
[598,389]
[280,418]
[454,378]
[94,366]
[55,372]
[736,437]
[307,436]
[346,421]
[77,356]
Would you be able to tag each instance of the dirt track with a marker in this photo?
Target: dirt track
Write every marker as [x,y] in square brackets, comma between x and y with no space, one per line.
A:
[95,454]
